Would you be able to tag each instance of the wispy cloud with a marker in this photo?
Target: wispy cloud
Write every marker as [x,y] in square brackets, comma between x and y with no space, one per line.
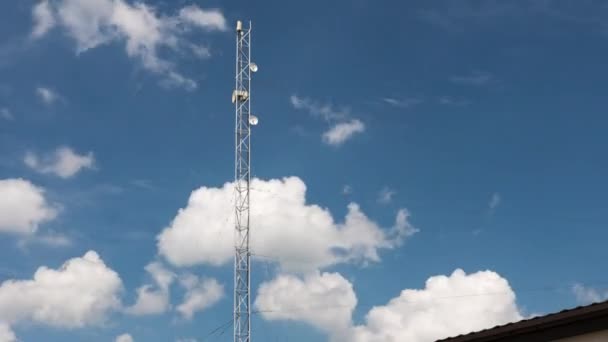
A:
[494,201]
[6,114]
[587,295]
[455,15]
[452,101]
[385,196]
[458,16]
[49,239]
[339,133]
[347,189]
[63,162]
[47,95]
[326,111]
[342,126]
[143,184]
[403,102]
[475,78]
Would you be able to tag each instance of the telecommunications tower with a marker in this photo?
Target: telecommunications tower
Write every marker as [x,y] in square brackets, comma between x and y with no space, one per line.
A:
[241,97]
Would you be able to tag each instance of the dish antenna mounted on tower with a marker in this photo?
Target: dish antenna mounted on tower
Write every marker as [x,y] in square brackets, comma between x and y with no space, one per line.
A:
[241,97]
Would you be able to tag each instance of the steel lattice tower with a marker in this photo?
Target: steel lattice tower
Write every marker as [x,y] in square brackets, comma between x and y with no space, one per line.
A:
[241,97]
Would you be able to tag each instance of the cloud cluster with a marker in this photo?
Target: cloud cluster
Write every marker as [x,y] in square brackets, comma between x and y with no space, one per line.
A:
[82,292]
[342,126]
[63,162]
[154,299]
[23,207]
[326,301]
[143,31]
[300,236]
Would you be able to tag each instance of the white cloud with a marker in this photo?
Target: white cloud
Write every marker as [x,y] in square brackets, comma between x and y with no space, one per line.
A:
[82,292]
[341,132]
[23,207]
[402,103]
[386,195]
[43,19]
[6,334]
[47,95]
[64,162]
[299,235]
[479,300]
[144,32]
[153,299]
[587,295]
[124,338]
[476,78]
[6,114]
[494,201]
[200,295]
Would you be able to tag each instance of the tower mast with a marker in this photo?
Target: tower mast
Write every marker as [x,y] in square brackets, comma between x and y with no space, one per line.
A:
[241,97]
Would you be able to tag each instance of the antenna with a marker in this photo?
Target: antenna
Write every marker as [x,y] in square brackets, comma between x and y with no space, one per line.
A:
[241,97]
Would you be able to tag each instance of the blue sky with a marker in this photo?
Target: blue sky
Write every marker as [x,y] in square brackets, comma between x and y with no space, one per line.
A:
[470,135]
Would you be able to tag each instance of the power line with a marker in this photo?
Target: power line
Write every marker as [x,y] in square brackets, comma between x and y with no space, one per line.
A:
[220,330]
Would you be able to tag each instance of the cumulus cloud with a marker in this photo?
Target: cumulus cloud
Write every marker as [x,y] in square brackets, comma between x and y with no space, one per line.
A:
[587,295]
[200,295]
[82,292]
[143,31]
[326,301]
[153,299]
[23,207]
[6,333]
[124,338]
[47,95]
[63,162]
[339,133]
[300,236]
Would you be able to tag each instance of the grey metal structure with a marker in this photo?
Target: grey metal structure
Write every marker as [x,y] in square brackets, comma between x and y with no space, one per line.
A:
[241,97]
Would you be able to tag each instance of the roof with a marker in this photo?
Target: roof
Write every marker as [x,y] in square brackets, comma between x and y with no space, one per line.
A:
[566,323]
